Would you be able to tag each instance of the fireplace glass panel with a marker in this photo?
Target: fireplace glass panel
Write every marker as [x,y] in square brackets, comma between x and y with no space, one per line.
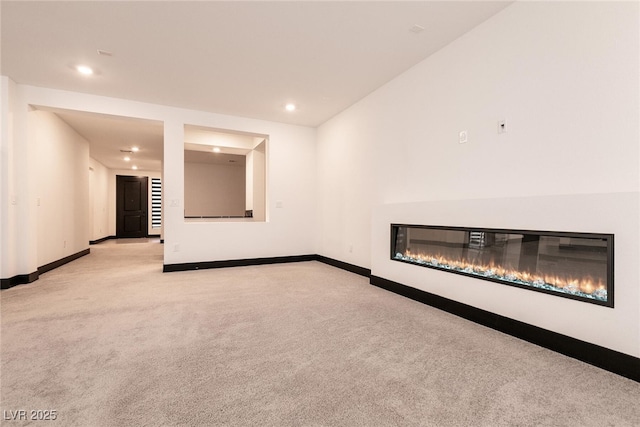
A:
[572,265]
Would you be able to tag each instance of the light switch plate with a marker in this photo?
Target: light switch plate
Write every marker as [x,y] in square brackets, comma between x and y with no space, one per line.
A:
[463,137]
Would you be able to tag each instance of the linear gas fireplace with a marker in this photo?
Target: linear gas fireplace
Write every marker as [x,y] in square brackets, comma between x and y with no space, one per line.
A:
[572,265]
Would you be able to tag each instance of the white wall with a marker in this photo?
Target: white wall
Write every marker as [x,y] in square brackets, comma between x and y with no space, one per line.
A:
[98,200]
[19,220]
[214,189]
[256,179]
[291,179]
[565,76]
[8,250]
[249,180]
[259,178]
[6,136]
[62,166]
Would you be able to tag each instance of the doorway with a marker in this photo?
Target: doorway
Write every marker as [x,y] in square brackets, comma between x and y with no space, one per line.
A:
[132,206]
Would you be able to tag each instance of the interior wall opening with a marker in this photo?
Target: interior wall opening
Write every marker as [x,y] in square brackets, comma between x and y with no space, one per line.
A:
[224,175]
[80,155]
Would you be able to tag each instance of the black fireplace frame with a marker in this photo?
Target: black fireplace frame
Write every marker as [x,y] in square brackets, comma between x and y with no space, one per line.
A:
[609,238]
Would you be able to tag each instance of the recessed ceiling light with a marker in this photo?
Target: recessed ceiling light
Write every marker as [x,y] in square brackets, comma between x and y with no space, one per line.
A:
[126,159]
[135,149]
[216,149]
[290,107]
[134,167]
[83,69]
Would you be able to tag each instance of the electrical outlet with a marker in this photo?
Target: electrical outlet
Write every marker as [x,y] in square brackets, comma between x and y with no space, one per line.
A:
[176,248]
[502,126]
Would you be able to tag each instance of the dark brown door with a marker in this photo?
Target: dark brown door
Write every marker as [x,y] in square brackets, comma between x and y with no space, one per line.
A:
[131,206]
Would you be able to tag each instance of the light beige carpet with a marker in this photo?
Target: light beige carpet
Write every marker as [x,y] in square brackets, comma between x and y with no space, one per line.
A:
[109,340]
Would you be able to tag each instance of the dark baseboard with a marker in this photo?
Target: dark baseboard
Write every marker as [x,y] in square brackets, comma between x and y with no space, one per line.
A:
[23,279]
[153,236]
[63,261]
[344,266]
[95,242]
[613,361]
[272,260]
[236,263]
[20,279]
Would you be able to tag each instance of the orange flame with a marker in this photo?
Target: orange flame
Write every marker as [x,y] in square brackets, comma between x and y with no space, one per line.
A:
[586,285]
